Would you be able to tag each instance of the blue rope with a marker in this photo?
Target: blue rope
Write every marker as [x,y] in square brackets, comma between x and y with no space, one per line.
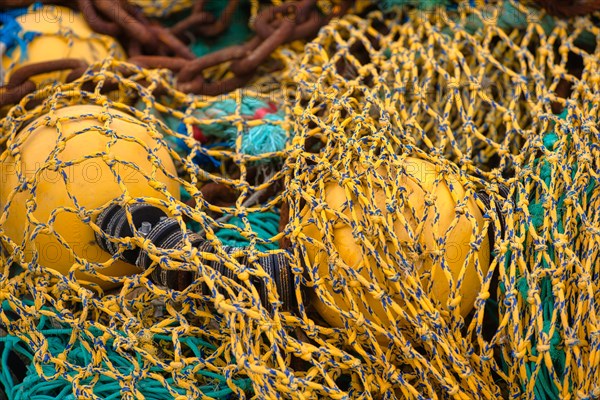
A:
[10,31]
[202,159]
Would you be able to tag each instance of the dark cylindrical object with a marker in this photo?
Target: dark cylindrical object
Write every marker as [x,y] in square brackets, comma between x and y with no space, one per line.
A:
[113,222]
[275,265]
[165,233]
[486,199]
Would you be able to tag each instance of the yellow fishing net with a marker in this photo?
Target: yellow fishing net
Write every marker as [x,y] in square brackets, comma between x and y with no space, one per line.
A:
[162,8]
[393,123]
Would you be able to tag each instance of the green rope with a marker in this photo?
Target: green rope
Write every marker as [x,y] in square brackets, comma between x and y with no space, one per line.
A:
[509,18]
[421,4]
[264,225]
[544,387]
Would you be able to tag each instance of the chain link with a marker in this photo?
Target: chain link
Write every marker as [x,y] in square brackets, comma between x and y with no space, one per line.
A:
[20,84]
[27,3]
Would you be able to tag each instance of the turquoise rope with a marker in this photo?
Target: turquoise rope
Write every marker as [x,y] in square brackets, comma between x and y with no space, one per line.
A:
[421,4]
[544,387]
[266,138]
[225,108]
[257,140]
[34,387]
[264,225]
[509,17]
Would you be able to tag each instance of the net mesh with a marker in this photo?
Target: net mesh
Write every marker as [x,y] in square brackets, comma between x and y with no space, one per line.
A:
[484,105]
[161,8]
[165,8]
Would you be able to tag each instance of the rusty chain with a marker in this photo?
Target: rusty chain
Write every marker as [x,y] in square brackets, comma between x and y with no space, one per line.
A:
[274,26]
[20,83]
[118,18]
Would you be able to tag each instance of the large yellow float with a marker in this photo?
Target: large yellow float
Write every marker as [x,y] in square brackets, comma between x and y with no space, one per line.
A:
[419,182]
[76,136]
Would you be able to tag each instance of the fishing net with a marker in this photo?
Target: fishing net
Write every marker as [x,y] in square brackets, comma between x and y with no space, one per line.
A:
[161,8]
[467,91]
[132,342]
[401,130]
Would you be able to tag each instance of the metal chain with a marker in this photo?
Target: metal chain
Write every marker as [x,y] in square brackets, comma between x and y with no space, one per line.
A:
[119,18]
[20,84]
[274,26]
[27,3]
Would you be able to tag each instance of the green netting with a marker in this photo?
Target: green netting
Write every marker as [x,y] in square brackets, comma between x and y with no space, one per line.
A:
[45,380]
[393,123]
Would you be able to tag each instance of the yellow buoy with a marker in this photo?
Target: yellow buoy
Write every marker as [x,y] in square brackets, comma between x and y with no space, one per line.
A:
[65,160]
[62,33]
[418,182]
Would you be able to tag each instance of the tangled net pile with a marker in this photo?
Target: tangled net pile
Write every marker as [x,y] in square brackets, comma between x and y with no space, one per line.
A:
[477,100]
